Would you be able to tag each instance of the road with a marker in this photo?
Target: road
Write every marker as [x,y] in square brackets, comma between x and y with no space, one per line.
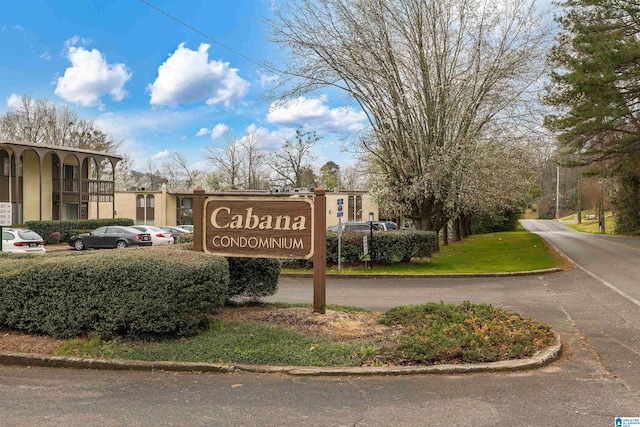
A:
[594,307]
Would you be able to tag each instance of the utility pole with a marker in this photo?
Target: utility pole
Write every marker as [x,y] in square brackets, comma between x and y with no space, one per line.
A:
[557,190]
[579,199]
[601,213]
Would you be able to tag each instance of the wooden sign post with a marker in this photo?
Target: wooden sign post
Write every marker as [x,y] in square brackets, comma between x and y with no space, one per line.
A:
[320,251]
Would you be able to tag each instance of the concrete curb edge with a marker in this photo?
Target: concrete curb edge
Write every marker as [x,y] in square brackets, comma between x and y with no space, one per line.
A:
[427,276]
[542,358]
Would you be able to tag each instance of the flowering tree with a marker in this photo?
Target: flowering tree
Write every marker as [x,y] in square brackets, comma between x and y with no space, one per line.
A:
[437,80]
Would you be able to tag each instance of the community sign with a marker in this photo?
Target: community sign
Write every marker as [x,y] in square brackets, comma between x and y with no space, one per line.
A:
[259,227]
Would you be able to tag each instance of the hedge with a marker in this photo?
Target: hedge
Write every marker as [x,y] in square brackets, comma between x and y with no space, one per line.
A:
[250,278]
[253,278]
[388,247]
[125,292]
[66,228]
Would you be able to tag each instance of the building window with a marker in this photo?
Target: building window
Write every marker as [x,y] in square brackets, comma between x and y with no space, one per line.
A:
[150,213]
[140,209]
[5,165]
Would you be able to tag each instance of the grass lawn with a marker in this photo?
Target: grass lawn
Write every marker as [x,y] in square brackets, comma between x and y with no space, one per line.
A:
[593,226]
[429,334]
[480,253]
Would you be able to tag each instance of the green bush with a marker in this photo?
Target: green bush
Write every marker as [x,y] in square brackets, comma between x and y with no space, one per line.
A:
[253,278]
[250,278]
[388,246]
[66,228]
[502,220]
[126,292]
[185,238]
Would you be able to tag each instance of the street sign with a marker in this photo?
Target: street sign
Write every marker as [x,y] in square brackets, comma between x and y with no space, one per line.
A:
[339,210]
[5,213]
[365,244]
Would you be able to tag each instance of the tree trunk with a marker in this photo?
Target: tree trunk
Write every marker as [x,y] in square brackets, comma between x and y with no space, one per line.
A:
[457,233]
[467,225]
[445,235]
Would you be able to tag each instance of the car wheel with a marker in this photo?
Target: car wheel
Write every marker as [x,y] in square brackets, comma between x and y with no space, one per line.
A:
[121,244]
[78,245]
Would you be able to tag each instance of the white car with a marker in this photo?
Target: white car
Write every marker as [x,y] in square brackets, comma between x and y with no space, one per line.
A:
[21,240]
[187,227]
[158,235]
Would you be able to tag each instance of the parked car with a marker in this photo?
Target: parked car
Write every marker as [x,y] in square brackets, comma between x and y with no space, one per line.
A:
[113,236]
[188,227]
[175,231]
[386,225]
[158,235]
[355,226]
[21,240]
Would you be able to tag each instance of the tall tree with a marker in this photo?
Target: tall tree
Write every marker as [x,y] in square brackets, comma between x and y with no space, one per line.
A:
[124,175]
[596,88]
[182,177]
[330,175]
[40,121]
[433,76]
[229,161]
[255,176]
[292,162]
[596,82]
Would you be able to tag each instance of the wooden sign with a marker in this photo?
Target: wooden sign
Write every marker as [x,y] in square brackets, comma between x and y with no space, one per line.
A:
[259,227]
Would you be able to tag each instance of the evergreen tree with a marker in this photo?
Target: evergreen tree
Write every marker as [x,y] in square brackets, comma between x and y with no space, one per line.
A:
[596,89]
[596,83]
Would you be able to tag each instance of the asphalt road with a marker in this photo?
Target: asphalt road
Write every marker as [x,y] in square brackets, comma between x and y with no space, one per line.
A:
[594,307]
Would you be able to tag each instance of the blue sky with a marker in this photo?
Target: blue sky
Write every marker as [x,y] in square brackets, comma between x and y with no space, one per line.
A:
[158,85]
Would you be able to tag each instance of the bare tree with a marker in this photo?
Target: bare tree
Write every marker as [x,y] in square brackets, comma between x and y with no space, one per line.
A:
[180,176]
[40,121]
[255,177]
[124,176]
[154,176]
[436,78]
[291,164]
[229,160]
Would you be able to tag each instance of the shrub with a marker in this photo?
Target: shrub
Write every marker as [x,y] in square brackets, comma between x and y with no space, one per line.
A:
[388,246]
[66,228]
[129,292]
[252,278]
[185,238]
[502,220]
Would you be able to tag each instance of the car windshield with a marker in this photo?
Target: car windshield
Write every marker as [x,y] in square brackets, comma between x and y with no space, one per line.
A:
[29,235]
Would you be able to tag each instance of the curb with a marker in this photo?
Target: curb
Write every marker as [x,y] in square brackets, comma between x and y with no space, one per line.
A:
[427,276]
[542,358]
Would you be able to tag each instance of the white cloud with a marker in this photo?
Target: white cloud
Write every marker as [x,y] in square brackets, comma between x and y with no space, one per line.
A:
[161,155]
[188,76]
[202,132]
[313,114]
[14,101]
[45,55]
[90,77]
[219,130]
[269,140]
[74,41]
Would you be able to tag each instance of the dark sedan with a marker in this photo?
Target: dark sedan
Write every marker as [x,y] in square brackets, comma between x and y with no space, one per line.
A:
[110,237]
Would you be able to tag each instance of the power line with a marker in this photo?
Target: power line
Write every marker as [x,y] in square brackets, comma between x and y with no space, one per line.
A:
[211,39]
